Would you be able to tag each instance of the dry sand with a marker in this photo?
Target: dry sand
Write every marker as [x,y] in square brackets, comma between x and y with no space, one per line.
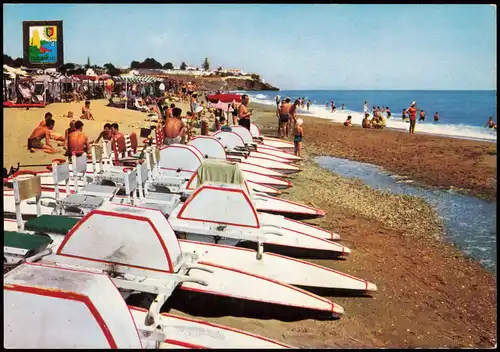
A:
[429,294]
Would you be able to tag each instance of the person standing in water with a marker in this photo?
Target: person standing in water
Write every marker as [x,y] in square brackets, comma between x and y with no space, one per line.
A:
[412,111]
[436,117]
[342,107]
[308,105]
[388,112]
[365,108]
[422,116]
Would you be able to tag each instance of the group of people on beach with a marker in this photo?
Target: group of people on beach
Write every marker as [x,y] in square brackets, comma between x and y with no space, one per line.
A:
[74,139]
[289,124]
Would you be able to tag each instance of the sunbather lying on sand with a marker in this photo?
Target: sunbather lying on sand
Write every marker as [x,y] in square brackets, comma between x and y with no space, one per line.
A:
[39,133]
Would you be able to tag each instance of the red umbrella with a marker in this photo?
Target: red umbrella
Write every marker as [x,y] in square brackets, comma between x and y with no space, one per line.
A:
[220,105]
[225,98]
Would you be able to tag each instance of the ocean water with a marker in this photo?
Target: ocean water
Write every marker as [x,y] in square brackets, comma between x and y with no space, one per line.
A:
[469,223]
[463,114]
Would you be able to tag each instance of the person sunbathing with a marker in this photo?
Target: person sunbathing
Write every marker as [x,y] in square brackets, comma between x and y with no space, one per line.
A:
[366,122]
[174,128]
[39,133]
[348,122]
[86,113]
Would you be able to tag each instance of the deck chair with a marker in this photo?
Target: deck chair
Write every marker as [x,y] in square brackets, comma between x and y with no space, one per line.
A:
[19,246]
[25,94]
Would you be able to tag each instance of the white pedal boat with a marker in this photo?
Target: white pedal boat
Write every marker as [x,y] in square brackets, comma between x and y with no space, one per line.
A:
[271,142]
[50,307]
[247,138]
[232,141]
[272,266]
[147,258]
[229,204]
[213,148]
[235,144]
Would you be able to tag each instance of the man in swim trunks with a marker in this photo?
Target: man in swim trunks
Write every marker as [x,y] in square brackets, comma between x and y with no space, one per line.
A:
[174,128]
[388,112]
[490,123]
[308,105]
[78,141]
[53,135]
[436,117]
[169,113]
[39,133]
[115,133]
[284,118]
[293,115]
[244,113]
[412,111]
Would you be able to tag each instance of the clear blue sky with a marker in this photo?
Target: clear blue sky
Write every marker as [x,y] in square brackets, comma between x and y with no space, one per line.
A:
[291,46]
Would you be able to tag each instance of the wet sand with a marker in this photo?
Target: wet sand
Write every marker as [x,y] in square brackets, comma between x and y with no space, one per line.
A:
[429,294]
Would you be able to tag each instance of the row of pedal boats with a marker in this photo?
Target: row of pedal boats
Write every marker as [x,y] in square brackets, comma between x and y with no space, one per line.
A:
[117,240]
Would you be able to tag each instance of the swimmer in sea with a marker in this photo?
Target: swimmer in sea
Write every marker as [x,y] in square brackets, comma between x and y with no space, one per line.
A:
[388,112]
[490,123]
[436,117]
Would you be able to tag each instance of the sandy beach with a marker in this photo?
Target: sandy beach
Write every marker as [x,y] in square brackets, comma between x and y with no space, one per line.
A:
[429,295]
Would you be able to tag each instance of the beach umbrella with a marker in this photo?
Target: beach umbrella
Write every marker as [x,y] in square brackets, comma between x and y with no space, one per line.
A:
[225,98]
[220,105]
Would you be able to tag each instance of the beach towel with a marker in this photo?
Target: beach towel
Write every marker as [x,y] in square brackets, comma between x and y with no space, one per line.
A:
[219,171]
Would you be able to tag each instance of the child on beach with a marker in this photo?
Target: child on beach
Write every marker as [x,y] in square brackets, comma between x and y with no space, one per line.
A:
[86,114]
[298,135]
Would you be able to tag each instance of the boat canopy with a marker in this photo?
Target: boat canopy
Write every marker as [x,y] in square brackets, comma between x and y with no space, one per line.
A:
[50,307]
[222,204]
[187,157]
[209,146]
[245,134]
[148,244]
[230,139]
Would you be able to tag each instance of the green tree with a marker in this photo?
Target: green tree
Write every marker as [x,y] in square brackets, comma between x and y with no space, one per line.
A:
[88,62]
[111,69]
[67,68]
[168,66]
[206,64]
[183,66]
[135,64]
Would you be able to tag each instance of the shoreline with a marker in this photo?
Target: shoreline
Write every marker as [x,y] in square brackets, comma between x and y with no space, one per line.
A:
[394,118]
[467,165]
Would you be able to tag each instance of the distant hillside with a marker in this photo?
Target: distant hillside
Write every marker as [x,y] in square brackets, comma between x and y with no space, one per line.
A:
[234,83]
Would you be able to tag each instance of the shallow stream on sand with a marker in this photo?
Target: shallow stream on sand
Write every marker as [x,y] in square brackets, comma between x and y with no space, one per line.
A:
[469,222]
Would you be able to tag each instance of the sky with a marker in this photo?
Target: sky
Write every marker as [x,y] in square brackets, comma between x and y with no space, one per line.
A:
[306,46]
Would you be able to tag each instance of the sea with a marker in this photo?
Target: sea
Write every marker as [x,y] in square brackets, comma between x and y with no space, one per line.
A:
[463,114]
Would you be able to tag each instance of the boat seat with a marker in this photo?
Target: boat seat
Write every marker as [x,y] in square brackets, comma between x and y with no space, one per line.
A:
[86,201]
[25,242]
[51,223]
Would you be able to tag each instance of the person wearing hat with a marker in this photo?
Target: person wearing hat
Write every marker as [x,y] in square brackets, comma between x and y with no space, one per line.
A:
[412,112]
[298,135]
[78,141]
